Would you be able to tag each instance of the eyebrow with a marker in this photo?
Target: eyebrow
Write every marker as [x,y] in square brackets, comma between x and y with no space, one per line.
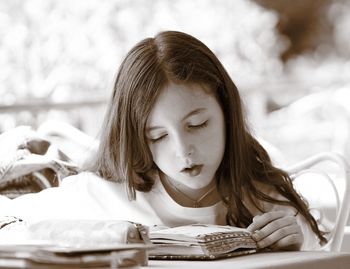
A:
[191,113]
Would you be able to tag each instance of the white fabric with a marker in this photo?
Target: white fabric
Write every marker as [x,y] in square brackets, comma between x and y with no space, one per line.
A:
[87,196]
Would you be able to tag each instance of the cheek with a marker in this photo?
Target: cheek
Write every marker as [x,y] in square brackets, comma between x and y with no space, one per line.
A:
[215,138]
[160,155]
[215,144]
[214,147]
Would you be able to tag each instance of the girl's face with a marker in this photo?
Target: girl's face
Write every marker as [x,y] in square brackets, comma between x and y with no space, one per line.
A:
[186,134]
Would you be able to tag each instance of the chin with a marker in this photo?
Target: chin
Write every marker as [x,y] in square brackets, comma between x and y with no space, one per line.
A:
[196,182]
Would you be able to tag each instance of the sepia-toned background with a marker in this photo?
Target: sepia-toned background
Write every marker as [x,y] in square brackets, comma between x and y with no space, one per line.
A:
[290,60]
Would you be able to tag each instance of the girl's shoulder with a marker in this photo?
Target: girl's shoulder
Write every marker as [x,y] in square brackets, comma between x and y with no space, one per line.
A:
[90,181]
[81,177]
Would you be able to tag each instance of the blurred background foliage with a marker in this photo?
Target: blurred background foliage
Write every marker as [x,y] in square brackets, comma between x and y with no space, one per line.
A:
[58,58]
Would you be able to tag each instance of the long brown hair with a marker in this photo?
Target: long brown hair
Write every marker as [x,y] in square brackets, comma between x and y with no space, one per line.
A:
[124,155]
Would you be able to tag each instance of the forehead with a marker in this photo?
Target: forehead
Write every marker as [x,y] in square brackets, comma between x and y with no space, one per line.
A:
[176,100]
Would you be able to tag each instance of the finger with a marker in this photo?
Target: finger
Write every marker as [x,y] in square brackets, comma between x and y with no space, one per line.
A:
[260,221]
[290,242]
[279,235]
[273,226]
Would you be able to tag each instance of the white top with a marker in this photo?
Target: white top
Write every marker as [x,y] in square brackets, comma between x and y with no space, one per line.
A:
[87,196]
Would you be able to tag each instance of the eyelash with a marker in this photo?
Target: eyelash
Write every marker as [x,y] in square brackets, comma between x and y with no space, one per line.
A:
[199,126]
[158,139]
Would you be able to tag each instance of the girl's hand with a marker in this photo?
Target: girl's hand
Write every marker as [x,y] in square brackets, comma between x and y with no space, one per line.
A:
[277,230]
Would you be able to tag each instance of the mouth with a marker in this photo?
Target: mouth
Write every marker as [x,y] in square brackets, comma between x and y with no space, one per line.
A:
[193,171]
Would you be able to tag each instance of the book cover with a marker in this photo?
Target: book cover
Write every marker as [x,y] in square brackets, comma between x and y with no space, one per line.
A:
[200,241]
[54,256]
[56,243]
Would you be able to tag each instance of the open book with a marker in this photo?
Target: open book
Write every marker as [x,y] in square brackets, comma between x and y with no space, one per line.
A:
[200,241]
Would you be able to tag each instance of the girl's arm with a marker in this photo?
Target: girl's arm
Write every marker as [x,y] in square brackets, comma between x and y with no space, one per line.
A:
[73,199]
[82,196]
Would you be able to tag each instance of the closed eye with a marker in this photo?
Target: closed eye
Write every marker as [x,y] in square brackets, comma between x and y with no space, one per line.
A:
[198,126]
[158,139]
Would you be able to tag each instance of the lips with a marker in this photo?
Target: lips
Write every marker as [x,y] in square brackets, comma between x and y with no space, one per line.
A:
[193,171]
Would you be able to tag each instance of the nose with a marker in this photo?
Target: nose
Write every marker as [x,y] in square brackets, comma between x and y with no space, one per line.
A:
[184,148]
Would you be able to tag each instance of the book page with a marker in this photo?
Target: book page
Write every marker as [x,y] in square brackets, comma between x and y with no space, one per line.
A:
[198,232]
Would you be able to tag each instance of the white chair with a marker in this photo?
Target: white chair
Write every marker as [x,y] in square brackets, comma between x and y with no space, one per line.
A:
[323,165]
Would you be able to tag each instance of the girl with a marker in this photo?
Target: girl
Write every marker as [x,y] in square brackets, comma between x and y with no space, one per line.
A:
[175,150]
